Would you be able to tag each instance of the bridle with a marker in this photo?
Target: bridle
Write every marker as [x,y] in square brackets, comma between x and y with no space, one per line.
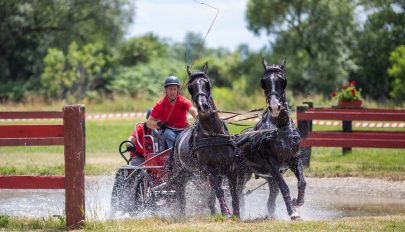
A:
[210,139]
[269,72]
[200,92]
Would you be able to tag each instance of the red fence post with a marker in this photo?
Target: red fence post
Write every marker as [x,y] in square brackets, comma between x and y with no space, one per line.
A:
[304,126]
[74,130]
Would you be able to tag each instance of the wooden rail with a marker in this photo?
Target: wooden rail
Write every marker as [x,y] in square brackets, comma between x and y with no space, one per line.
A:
[72,135]
[347,138]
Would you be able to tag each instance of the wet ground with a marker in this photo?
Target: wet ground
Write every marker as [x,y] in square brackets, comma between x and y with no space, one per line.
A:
[326,198]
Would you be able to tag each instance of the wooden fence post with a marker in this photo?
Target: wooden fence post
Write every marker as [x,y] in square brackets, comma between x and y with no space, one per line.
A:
[74,140]
[305,126]
[347,127]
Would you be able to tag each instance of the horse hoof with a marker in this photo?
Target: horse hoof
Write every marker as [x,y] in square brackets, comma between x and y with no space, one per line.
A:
[226,214]
[295,217]
[272,217]
[237,216]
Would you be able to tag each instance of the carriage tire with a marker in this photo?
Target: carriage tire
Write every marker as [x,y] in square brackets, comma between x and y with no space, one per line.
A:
[145,196]
[123,192]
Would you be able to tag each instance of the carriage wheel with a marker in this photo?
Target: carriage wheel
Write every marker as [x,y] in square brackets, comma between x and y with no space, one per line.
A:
[123,192]
[145,196]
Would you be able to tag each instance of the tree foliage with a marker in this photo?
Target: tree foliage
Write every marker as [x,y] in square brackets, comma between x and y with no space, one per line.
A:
[327,42]
[383,31]
[29,27]
[146,79]
[79,73]
[397,73]
[316,37]
[140,50]
[71,49]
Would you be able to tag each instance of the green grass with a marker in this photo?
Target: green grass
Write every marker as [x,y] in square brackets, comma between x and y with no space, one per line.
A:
[224,98]
[214,223]
[381,163]
[102,157]
[104,136]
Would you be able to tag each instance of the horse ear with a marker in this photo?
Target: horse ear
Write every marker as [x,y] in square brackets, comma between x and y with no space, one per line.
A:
[283,64]
[188,70]
[264,62]
[205,68]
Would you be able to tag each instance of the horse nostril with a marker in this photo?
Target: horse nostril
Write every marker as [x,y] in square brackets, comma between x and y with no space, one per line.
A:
[279,107]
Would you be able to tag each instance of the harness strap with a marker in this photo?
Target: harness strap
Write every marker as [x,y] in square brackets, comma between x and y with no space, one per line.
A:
[214,141]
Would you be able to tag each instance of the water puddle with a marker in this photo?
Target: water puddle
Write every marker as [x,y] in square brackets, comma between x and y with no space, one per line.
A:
[326,198]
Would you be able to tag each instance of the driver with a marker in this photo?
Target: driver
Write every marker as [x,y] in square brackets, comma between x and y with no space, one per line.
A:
[170,112]
[141,147]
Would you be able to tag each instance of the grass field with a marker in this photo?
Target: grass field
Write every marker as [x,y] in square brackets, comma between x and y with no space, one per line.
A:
[214,223]
[102,157]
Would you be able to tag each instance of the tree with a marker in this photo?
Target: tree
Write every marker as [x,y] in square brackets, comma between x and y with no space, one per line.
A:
[29,27]
[383,31]
[140,50]
[316,37]
[147,79]
[397,73]
[79,73]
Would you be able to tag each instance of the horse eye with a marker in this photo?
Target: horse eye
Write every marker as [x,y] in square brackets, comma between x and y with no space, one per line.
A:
[207,87]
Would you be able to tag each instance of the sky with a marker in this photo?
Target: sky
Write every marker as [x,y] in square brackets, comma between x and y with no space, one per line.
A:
[171,19]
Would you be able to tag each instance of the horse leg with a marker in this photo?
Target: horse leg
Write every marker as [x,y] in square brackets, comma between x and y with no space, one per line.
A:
[215,182]
[285,191]
[273,193]
[243,178]
[298,168]
[181,196]
[211,201]
[233,186]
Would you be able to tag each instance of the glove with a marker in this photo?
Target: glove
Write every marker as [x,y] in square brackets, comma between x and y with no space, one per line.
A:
[130,147]
[162,125]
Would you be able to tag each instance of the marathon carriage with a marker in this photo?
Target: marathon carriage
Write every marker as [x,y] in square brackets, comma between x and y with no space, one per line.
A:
[141,188]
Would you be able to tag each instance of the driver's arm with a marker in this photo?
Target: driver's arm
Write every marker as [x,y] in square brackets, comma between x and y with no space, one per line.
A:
[131,138]
[152,123]
[193,112]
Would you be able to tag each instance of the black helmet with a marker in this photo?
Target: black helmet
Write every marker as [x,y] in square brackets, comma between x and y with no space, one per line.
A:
[148,113]
[172,80]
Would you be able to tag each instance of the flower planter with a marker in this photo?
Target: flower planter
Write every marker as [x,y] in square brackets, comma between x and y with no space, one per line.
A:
[350,104]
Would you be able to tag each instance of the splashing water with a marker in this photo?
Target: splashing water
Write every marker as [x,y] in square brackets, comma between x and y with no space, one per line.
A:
[326,198]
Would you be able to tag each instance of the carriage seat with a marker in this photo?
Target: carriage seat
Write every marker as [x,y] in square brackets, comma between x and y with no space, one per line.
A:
[159,140]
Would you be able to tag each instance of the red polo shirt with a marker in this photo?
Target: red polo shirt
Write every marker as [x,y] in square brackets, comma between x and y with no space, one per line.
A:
[178,116]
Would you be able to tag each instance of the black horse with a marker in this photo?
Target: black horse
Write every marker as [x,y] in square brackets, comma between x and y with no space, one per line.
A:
[272,146]
[206,149]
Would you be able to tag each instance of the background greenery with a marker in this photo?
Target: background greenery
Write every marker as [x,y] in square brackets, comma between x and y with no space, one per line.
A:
[74,51]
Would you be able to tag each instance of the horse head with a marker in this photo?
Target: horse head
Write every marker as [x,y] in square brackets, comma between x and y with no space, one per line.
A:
[199,87]
[274,83]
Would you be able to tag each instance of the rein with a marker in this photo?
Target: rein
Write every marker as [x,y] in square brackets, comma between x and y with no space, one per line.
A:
[236,113]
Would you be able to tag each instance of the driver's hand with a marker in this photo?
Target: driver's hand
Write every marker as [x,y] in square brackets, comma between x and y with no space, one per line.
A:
[130,147]
[162,125]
